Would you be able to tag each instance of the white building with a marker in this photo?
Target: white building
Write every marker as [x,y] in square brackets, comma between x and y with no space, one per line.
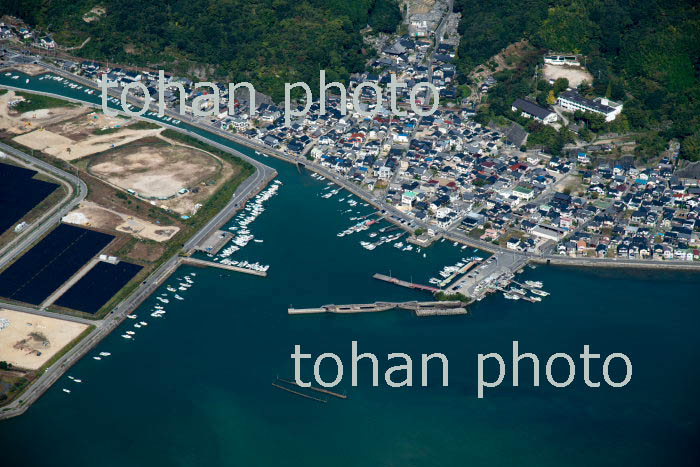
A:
[573,101]
[531,110]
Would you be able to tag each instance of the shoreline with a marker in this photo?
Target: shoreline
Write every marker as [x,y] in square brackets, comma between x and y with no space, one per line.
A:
[248,188]
[115,317]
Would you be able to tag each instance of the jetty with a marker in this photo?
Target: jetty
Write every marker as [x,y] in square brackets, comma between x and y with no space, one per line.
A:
[204,263]
[410,285]
[480,280]
[433,308]
[313,388]
[299,393]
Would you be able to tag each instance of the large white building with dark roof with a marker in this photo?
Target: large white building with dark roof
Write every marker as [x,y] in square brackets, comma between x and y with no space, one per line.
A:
[572,100]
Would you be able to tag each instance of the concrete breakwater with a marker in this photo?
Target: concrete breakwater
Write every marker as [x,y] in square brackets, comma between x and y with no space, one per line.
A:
[420,308]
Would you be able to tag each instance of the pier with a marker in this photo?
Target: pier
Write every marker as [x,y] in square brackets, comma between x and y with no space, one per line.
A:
[434,308]
[481,280]
[463,270]
[409,285]
[203,263]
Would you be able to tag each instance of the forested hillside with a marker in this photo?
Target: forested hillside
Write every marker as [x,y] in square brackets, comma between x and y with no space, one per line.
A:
[266,42]
[645,52]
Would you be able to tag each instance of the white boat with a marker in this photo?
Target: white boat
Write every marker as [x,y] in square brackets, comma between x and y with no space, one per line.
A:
[66,390]
[131,333]
[97,358]
[126,336]
[536,284]
[143,323]
[105,354]
[511,296]
[539,292]
[131,316]
[178,297]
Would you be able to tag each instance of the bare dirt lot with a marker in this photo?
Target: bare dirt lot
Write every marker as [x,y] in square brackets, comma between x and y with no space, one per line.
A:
[158,171]
[29,69]
[93,215]
[575,75]
[16,123]
[74,138]
[30,340]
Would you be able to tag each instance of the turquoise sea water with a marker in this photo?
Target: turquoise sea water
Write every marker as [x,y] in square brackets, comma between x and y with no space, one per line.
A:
[194,389]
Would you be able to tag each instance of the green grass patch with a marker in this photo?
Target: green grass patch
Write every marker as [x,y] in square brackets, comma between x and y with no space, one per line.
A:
[37,102]
[455,297]
[143,125]
[106,131]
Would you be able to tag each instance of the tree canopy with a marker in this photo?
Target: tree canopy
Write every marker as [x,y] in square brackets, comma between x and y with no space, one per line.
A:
[266,42]
[645,53]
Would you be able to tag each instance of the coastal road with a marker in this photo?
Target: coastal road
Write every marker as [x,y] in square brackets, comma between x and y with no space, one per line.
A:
[453,233]
[254,183]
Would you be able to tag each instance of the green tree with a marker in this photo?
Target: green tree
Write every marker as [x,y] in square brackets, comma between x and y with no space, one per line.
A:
[690,147]
[560,85]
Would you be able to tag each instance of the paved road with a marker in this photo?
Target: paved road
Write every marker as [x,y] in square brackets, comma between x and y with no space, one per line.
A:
[256,182]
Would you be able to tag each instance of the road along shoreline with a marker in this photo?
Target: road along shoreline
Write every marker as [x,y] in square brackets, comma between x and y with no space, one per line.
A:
[250,187]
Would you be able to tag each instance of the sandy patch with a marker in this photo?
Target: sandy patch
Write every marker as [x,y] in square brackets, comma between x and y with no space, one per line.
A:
[68,149]
[30,340]
[85,126]
[43,140]
[29,121]
[28,69]
[157,172]
[93,215]
[575,75]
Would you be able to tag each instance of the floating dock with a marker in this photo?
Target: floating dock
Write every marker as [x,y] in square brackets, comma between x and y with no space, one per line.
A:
[203,263]
[463,270]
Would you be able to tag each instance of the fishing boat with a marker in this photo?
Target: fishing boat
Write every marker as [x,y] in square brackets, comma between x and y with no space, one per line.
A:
[539,292]
[536,284]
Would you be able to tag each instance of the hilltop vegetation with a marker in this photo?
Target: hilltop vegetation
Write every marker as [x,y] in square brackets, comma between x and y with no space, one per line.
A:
[643,52]
[266,42]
